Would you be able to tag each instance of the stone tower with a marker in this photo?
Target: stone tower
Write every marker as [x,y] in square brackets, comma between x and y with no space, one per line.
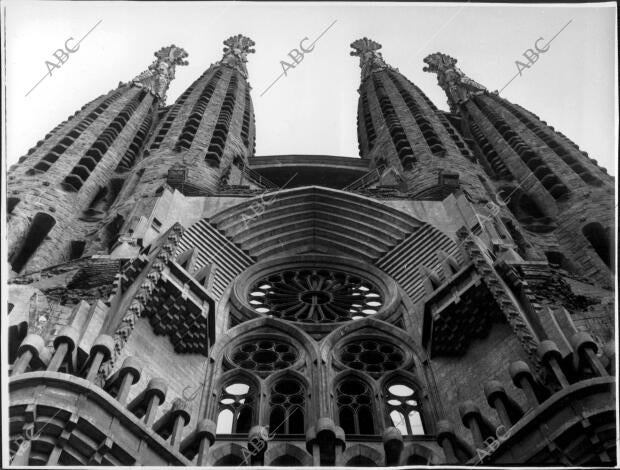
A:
[308,310]
[399,127]
[60,191]
[200,142]
[557,193]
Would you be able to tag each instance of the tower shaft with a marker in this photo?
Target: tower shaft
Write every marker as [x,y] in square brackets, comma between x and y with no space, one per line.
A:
[560,196]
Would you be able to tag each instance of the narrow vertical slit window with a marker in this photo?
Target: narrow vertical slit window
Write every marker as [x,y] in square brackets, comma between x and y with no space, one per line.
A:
[600,241]
[41,225]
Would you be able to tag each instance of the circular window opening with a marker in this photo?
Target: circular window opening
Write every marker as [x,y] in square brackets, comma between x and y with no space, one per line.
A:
[371,357]
[315,296]
[374,356]
[264,356]
[400,390]
[237,389]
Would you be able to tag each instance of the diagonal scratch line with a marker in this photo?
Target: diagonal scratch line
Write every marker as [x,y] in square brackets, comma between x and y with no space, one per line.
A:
[516,75]
[77,44]
[546,45]
[442,27]
[321,35]
[272,84]
[270,435]
[35,436]
[558,33]
[91,30]
[37,84]
[311,45]
[289,180]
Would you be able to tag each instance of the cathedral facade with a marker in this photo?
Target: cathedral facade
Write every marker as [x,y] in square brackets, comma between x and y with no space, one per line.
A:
[447,298]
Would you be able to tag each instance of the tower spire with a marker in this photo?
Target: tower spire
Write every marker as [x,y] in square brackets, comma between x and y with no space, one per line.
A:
[457,86]
[236,52]
[160,73]
[370,59]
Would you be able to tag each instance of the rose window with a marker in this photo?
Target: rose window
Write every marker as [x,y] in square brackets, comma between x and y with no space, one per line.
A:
[264,356]
[372,356]
[315,296]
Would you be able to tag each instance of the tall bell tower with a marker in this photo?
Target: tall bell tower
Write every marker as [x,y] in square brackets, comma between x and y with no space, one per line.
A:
[558,193]
[399,126]
[60,191]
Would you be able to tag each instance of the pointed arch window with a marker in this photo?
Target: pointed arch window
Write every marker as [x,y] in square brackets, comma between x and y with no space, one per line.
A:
[355,405]
[238,407]
[403,408]
[287,407]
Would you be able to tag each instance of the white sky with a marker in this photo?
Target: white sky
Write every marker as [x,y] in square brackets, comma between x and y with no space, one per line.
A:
[313,109]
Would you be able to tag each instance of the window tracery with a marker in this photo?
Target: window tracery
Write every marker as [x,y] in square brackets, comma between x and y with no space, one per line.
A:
[403,407]
[287,407]
[265,356]
[315,296]
[355,405]
[237,408]
[371,355]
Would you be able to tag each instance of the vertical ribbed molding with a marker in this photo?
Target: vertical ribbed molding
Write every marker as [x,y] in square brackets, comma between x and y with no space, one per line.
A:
[555,185]
[399,127]
[210,126]
[61,190]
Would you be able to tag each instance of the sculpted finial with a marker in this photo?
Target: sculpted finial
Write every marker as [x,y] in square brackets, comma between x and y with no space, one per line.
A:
[438,61]
[458,86]
[364,46]
[370,60]
[236,52]
[160,73]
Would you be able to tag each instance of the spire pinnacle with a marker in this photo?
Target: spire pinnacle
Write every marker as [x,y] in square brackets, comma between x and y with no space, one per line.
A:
[458,86]
[160,73]
[236,52]
[370,60]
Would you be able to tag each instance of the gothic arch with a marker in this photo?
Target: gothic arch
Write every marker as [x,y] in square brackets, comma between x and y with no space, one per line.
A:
[285,453]
[272,325]
[377,327]
[369,406]
[360,455]
[238,411]
[316,219]
[416,454]
[422,395]
[262,329]
[287,373]
[405,375]
[264,352]
[241,374]
[228,455]
[306,409]
[371,353]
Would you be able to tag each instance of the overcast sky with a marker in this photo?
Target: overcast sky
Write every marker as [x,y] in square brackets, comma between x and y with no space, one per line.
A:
[312,110]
